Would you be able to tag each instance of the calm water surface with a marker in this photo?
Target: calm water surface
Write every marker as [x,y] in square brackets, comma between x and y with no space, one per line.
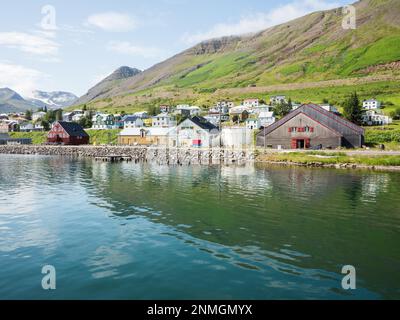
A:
[140,231]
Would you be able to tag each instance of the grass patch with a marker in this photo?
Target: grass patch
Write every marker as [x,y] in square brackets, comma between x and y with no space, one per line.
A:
[331,158]
[37,137]
[97,137]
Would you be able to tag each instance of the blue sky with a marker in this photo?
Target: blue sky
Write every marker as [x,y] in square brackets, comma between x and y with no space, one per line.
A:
[71,45]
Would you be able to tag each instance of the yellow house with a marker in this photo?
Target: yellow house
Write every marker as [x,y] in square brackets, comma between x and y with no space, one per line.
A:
[144,136]
[147,122]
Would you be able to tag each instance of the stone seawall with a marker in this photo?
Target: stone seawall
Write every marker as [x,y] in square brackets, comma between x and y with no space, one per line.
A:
[181,156]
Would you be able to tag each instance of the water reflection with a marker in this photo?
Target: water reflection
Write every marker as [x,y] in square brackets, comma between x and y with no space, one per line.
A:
[321,215]
[247,232]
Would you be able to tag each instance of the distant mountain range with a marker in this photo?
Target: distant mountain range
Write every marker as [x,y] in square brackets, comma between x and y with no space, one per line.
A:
[309,49]
[11,101]
[53,100]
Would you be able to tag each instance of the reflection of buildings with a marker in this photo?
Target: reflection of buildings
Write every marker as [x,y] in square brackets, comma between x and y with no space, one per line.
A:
[373,185]
[305,218]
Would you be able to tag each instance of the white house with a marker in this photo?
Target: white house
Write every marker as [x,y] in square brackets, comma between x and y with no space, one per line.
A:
[67,117]
[329,108]
[251,103]
[371,104]
[26,127]
[266,118]
[194,132]
[216,118]
[103,121]
[142,114]
[253,124]
[277,99]
[77,117]
[187,110]
[38,127]
[132,122]
[375,118]
[224,106]
[163,120]
[165,109]
[261,108]
[38,115]
[239,110]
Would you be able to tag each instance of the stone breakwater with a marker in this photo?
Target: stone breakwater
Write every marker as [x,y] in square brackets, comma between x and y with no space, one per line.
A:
[172,156]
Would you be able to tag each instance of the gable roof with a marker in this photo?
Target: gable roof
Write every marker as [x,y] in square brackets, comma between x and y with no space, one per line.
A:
[73,129]
[319,114]
[203,123]
[130,118]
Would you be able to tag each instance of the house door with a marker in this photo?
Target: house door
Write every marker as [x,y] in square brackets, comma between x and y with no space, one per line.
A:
[300,144]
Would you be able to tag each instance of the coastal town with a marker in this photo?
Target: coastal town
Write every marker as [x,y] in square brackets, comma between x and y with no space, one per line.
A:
[199,158]
[276,124]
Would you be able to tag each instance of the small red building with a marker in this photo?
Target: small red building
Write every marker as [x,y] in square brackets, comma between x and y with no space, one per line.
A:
[67,133]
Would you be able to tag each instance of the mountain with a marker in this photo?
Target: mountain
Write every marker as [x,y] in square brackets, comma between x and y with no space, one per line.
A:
[10,101]
[305,52]
[113,80]
[53,100]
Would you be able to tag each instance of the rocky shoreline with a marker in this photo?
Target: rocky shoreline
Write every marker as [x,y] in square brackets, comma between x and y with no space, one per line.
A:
[172,156]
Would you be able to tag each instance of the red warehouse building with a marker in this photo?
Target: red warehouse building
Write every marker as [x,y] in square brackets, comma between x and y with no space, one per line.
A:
[67,133]
[311,126]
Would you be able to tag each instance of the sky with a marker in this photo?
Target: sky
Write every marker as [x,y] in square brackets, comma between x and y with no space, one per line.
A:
[58,45]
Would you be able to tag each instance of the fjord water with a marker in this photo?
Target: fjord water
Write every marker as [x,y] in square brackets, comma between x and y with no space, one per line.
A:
[144,231]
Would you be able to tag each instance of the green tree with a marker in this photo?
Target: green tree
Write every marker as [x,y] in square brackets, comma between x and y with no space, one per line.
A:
[28,115]
[352,109]
[153,110]
[283,108]
[45,124]
[179,119]
[395,114]
[86,122]
[58,116]
[50,116]
[290,104]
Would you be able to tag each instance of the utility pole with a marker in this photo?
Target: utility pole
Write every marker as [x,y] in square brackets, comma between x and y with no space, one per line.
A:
[220,129]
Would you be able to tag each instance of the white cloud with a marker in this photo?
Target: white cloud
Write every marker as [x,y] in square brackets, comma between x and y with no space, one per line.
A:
[126,47]
[112,21]
[19,78]
[260,21]
[30,43]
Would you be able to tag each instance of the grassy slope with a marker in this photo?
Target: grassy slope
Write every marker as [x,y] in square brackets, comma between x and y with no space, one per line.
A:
[310,49]
[96,136]
[386,91]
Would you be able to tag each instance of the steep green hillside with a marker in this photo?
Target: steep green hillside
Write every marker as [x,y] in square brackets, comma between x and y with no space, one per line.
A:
[313,48]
